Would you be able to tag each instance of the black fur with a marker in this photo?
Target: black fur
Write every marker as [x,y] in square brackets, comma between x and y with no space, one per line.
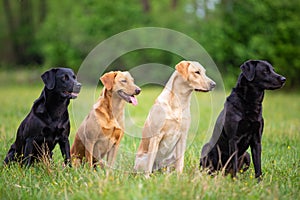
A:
[48,121]
[240,124]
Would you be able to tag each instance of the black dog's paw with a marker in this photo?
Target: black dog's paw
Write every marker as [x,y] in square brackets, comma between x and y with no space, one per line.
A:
[67,163]
[259,178]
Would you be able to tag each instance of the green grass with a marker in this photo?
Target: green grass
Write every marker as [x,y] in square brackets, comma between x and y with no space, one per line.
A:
[280,157]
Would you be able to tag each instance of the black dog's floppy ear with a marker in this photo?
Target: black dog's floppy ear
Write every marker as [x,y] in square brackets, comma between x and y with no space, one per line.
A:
[49,78]
[248,69]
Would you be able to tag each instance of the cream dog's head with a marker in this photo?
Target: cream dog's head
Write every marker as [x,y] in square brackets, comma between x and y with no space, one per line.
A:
[121,83]
[194,73]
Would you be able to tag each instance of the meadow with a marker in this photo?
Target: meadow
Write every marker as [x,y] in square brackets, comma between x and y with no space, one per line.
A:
[280,156]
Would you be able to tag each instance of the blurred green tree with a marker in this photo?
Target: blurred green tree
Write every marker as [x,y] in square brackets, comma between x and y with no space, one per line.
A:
[21,27]
[239,30]
[62,33]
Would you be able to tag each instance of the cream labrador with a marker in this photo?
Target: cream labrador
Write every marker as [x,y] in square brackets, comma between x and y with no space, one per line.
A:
[165,131]
[100,133]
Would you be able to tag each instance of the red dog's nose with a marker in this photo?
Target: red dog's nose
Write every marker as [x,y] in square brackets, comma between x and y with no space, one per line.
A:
[137,90]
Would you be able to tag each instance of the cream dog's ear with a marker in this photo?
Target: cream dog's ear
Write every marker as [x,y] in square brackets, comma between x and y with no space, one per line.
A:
[108,79]
[182,68]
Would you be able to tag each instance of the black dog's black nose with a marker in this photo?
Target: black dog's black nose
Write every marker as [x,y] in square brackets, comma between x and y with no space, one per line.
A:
[78,84]
[282,79]
[137,90]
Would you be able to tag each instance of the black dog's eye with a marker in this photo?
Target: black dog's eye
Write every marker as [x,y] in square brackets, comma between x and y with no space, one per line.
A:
[197,72]
[124,81]
[74,77]
[65,77]
[266,71]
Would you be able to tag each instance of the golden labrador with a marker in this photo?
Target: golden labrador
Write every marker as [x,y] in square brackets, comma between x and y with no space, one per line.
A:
[100,133]
[165,131]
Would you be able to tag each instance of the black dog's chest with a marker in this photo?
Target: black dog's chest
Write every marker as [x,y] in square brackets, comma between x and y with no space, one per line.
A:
[50,136]
[245,133]
[52,133]
[251,115]
[246,127]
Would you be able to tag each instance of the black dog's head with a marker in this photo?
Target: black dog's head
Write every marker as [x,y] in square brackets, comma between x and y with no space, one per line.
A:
[62,81]
[262,75]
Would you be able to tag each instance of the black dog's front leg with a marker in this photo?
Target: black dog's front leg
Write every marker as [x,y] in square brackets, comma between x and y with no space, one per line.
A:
[256,157]
[28,152]
[65,151]
[255,146]
[234,156]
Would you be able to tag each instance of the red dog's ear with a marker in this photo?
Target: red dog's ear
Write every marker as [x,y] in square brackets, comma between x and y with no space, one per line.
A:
[108,80]
[182,68]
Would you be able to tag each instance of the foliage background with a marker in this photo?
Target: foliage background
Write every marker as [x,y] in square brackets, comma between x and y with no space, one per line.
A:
[41,33]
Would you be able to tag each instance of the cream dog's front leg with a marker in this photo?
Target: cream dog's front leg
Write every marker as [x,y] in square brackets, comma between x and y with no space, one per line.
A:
[152,152]
[179,152]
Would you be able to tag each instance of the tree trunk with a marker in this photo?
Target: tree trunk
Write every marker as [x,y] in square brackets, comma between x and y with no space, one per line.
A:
[145,5]
[26,31]
[11,24]
[42,11]
[21,30]
[174,4]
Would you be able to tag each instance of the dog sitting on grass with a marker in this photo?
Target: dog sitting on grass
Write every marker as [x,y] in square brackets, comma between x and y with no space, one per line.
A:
[240,124]
[165,131]
[48,121]
[100,133]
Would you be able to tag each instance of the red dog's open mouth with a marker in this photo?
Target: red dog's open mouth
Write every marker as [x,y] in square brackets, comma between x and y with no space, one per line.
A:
[129,98]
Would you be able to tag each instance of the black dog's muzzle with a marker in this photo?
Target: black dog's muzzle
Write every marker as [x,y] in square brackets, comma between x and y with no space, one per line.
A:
[76,90]
[77,87]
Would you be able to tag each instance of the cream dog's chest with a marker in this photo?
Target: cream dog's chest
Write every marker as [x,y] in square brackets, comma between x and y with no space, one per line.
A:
[172,131]
[177,122]
[171,135]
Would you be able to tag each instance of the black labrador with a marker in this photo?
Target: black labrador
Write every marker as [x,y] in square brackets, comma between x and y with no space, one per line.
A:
[240,124]
[48,121]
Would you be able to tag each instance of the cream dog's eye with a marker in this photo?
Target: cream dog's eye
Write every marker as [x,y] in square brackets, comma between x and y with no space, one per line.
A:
[124,81]
[198,72]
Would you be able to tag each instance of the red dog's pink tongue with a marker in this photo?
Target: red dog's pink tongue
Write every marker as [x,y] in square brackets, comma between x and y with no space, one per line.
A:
[133,100]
